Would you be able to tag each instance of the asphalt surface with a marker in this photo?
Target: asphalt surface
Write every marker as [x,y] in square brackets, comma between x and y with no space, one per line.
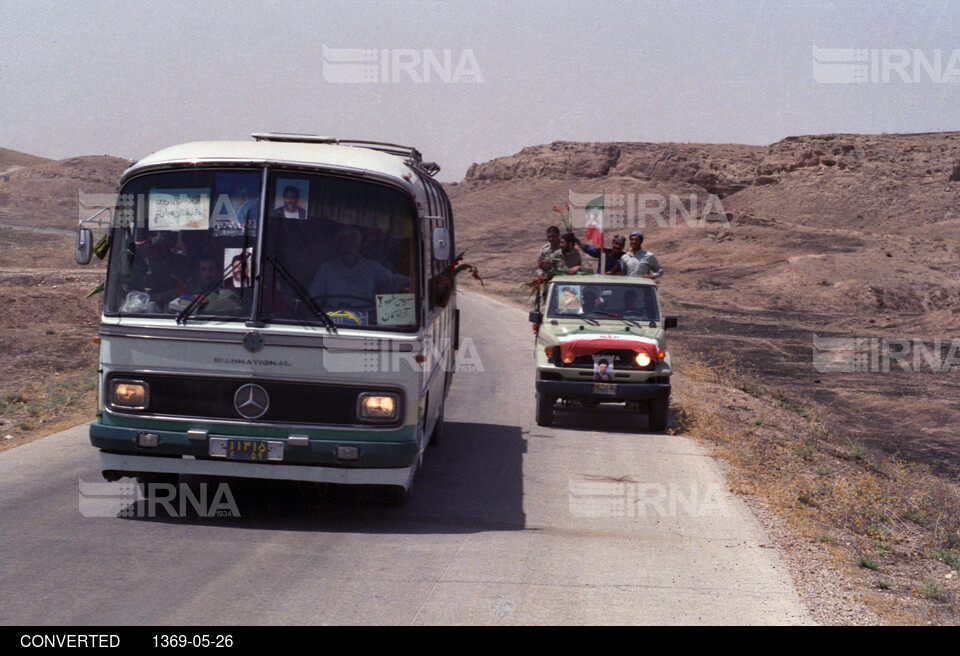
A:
[591,521]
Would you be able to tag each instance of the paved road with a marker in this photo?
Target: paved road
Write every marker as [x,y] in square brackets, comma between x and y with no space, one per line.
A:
[591,521]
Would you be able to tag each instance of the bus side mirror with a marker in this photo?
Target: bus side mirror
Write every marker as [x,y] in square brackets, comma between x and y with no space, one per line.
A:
[441,244]
[84,245]
[536,317]
[669,322]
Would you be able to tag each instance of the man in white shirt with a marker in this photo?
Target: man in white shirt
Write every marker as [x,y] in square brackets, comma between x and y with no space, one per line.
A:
[351,280]
[638,262]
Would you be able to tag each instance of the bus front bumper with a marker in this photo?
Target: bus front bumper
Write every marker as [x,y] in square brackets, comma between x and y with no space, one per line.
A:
[391,461]
[118,465]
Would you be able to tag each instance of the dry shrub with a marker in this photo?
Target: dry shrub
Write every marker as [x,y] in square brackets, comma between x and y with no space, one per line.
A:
[898,514]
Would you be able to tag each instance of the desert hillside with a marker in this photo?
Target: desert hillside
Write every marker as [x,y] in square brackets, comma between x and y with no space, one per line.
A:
[828,236]
[46,193]
[47,327]
[11,160]
[843,236]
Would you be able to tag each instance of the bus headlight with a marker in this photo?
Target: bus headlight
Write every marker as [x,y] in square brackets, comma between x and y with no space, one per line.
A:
[378,406]
[129,394]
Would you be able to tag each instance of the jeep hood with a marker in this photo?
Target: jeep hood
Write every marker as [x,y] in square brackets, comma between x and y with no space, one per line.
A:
[573,346]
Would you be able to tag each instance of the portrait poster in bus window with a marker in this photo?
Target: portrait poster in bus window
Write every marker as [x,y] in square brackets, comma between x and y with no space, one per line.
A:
[291,199]
[238,263]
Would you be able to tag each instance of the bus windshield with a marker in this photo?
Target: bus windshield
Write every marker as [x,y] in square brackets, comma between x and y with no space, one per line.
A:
[333,249]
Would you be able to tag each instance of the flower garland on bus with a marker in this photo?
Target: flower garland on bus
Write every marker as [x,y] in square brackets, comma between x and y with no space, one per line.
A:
[445,282]
[459,265]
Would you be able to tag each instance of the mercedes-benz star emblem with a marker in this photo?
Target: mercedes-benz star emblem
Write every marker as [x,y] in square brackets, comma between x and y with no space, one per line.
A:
[251,401]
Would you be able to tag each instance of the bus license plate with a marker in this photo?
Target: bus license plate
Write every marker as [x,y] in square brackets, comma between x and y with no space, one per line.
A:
[604,388]
[256,450]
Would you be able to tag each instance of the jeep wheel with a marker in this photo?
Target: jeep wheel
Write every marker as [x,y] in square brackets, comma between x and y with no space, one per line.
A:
[657,414]
[545,404]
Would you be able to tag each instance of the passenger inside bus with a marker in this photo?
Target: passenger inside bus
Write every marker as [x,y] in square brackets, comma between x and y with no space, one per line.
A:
[351,280]
[208,272]
[162,264]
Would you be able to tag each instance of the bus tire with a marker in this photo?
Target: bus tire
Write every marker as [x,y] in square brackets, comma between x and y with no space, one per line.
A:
[146,482]
[437,435]
[394,496]
[545,404]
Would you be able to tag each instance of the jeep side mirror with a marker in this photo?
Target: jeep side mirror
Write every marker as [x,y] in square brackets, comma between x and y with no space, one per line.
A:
[84,245]
[669,322]
[536,317]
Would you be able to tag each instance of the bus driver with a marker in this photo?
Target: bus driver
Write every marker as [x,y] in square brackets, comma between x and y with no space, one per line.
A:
[352,280]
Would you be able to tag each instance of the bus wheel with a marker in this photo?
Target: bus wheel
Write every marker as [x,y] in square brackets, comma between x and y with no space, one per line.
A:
[657,415]
[437,435]
[149,484]
[545,404]
[395,496]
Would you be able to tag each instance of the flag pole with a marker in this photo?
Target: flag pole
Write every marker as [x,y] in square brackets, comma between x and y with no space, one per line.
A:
[603,252]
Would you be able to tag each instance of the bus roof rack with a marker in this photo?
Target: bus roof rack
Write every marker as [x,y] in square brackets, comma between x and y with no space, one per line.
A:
[414,158]
[290,137]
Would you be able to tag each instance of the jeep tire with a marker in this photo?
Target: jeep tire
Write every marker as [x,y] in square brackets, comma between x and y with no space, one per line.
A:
[657,414]
[545,404]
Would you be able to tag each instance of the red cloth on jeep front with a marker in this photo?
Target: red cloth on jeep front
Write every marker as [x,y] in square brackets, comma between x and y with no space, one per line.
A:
[574,347]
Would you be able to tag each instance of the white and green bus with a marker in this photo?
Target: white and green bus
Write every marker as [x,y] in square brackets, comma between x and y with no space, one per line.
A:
[279,308]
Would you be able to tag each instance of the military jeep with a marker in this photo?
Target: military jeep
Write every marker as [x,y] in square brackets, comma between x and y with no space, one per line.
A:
[600,339]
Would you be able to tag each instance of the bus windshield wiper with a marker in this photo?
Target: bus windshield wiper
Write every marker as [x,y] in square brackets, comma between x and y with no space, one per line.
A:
[302,293]
[201,299]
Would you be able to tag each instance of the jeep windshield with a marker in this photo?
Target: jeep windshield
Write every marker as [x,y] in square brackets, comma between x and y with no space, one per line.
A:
[187,245]
[603,301]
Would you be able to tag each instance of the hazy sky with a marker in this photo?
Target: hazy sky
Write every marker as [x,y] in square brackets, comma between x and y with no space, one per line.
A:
[127,78]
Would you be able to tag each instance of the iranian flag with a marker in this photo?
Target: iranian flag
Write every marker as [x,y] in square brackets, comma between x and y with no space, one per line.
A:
[594,222]
[573,346]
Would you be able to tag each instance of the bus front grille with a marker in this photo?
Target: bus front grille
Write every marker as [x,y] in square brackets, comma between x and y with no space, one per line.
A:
[217,398]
